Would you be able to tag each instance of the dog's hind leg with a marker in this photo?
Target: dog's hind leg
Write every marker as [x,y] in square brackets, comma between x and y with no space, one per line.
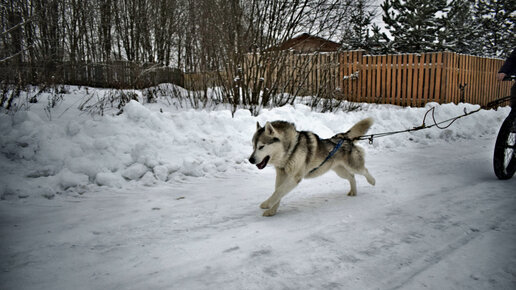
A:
[368,176]
[344,173]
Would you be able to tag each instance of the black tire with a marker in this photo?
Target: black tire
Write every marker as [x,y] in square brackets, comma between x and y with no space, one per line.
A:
[504,159]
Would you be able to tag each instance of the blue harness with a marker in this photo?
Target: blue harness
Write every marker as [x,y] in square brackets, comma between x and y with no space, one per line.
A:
[329,155]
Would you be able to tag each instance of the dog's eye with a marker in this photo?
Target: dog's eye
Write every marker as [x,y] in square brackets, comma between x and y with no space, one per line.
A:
[274,140]
[261,147]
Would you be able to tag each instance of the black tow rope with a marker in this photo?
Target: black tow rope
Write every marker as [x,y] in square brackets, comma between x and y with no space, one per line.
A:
[371,137]
[450,121]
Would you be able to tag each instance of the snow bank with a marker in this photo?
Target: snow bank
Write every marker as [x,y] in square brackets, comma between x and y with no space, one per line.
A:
[42,156]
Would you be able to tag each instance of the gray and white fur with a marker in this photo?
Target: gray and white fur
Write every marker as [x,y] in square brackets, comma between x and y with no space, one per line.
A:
[295,154]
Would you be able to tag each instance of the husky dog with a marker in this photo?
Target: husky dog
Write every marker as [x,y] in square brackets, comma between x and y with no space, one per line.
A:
[302,154]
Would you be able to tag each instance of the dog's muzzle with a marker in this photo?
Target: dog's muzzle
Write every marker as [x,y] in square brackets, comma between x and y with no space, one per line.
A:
[262,164]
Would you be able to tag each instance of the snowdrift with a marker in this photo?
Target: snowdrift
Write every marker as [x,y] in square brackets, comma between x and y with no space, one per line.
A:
[69,151]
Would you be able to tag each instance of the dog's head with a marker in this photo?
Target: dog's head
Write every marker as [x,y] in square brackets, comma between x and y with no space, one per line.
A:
[268,143]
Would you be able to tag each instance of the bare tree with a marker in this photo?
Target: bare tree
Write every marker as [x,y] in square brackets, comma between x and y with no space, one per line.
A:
[236,39]
[251,70]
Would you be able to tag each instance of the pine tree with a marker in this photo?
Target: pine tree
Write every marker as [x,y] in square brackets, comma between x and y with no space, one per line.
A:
[414,24]
[460,30]
[378,42]
[497,31]
[357,35]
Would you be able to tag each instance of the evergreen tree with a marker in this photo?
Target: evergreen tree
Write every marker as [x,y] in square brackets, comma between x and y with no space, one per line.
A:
[357,34]
[497,33]
[378,42]
[460,30]
[414,24]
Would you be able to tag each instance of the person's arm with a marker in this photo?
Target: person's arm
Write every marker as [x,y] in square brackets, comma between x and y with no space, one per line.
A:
[509,66]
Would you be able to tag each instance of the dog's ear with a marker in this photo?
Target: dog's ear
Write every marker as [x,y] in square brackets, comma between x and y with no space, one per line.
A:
[258,127]
[269,129]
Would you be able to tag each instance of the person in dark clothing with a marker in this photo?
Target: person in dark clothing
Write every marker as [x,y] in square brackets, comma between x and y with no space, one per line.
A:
[508,69]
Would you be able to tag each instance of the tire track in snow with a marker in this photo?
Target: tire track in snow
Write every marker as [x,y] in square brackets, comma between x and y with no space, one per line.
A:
[402,278]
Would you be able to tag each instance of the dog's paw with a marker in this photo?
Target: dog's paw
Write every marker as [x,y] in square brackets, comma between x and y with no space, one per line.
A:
[265,205]
[269,212]
[352,193]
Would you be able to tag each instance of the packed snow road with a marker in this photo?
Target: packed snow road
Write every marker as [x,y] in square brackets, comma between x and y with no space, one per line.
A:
[437,219]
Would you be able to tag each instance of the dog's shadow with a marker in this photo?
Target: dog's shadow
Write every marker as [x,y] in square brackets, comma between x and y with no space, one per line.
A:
[329,200]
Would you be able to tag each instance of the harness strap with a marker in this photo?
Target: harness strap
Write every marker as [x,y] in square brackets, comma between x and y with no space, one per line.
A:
[341,141]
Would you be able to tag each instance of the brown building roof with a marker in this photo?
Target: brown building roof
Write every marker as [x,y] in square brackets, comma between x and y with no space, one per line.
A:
[308,43]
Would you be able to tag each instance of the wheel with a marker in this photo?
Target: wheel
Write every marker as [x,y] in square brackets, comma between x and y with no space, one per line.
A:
[504,160]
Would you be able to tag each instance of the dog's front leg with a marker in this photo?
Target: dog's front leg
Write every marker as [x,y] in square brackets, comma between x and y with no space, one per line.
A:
[280,178]
[273,202]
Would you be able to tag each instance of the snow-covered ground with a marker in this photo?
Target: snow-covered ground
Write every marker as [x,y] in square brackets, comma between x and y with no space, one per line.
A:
[167,200]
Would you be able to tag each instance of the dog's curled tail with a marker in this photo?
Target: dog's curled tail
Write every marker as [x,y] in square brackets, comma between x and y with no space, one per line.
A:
[360,128]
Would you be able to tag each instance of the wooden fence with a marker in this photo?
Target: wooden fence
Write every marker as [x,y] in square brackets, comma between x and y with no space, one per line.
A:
[120,75]
[202,81]
[398,79]
[416,79]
